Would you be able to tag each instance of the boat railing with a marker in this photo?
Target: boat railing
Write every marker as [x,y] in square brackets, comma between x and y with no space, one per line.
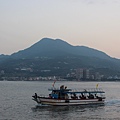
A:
[88,90]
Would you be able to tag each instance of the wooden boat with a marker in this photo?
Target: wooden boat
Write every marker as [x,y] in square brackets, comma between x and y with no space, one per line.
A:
[64,96]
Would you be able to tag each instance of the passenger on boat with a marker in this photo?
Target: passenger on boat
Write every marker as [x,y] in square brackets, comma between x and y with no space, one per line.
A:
[65,87]
[74,96]
[35,95]
[61,87]
[82,96]
[96,96]
[91,96]
[99,98]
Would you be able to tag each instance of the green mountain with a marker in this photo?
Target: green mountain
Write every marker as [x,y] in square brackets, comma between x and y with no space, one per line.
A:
[57,57]
[55,48]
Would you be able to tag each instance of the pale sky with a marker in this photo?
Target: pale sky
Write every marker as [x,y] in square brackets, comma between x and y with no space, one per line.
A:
[92,23]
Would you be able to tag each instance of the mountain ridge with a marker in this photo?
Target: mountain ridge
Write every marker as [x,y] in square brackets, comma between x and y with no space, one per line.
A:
[58,57]
[47,47]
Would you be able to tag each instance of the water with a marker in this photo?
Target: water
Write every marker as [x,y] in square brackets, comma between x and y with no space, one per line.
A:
[16,102]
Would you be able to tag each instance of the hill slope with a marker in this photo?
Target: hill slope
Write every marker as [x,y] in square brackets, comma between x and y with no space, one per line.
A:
[58,57]
[53,48]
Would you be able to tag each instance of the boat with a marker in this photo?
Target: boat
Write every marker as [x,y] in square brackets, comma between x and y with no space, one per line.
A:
[65,97]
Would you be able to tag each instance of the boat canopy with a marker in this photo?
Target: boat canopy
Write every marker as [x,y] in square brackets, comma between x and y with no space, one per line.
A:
[70,91]
[77,92]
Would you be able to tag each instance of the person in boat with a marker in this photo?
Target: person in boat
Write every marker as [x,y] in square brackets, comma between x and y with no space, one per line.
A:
[96,96]
[74,96]
[91,96]
[82,96]
[62,87]
[65,87]
[99,98]
[35,96]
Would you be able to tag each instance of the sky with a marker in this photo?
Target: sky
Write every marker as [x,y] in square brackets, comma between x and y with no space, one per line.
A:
[91,23]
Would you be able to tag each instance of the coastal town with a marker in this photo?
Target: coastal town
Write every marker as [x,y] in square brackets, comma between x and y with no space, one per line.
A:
[80,74]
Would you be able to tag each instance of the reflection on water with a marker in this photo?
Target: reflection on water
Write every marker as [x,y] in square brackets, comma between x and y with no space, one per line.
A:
[80,108]
[70,112]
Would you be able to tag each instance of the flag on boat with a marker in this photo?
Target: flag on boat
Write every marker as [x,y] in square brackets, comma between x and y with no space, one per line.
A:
[97,85]
[53,83]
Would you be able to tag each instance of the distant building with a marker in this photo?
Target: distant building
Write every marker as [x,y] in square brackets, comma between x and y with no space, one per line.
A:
[98,76]
[82,73]
[79,73]
[86,74]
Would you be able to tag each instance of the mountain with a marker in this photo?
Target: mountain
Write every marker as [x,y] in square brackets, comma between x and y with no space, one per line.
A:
[57,57]
[3,57]
[53,48]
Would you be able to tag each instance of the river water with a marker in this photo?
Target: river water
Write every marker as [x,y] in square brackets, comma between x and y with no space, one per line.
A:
[16,102]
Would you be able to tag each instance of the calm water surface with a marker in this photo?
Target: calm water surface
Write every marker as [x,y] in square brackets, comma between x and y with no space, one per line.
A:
[16,102]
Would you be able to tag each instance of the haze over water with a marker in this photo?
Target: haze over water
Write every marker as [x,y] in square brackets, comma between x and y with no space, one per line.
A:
[16,102]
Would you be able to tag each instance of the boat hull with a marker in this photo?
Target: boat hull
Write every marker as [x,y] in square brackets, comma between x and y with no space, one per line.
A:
[66,102]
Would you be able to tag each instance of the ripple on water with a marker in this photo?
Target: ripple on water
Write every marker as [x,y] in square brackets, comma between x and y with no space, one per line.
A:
[16,103]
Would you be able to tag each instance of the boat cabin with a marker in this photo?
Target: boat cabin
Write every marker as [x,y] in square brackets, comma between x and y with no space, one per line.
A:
[64,93]
[61,93]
